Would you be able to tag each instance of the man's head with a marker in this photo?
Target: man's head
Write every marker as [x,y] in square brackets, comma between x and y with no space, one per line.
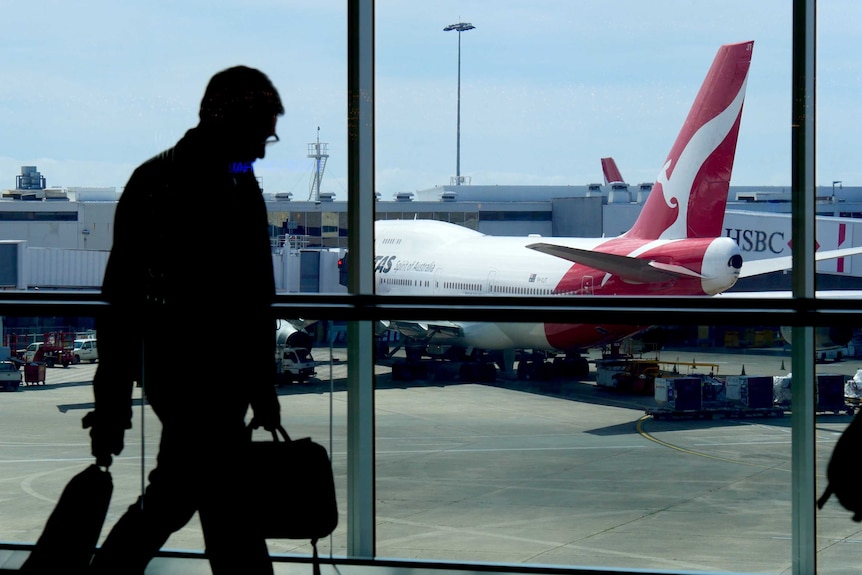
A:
[242,104]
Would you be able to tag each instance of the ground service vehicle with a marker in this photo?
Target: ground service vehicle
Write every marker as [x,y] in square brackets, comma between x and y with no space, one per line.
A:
[10,376]
[628,374]
[30,351]
[294,364]
[55,349]
[701,395]
[293,345]
[85,350]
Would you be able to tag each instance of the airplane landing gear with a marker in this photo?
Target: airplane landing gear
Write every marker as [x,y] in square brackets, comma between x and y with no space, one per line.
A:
[537,367]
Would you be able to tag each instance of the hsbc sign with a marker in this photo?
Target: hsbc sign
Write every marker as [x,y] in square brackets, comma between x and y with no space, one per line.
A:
[757,241]
[769,235]
[759,235]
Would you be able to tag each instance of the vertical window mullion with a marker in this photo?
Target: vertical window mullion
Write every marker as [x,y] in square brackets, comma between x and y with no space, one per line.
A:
[360,375]
[803,484]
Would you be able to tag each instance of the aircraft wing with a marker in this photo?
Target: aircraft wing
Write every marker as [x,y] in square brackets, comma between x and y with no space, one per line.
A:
[634,270]
[428,329]
[765,266]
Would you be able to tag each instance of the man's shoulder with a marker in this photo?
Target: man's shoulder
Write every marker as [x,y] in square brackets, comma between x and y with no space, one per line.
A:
[154,170]
[157,163]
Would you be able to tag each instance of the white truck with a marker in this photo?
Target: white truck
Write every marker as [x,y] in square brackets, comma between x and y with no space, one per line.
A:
[85,350]
[293,358]
[296,364]
[30,351]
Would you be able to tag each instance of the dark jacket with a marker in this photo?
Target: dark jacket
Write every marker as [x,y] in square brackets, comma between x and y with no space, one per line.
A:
[189,226]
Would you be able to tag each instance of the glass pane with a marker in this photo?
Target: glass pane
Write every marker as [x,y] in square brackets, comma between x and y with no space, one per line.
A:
[45,374]
[838,80]
[85,113]
[672,449]
[531,174]
[45,401]
[838,194]
[515,102]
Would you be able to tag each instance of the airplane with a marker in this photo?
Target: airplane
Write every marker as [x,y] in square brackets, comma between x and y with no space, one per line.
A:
[675,246]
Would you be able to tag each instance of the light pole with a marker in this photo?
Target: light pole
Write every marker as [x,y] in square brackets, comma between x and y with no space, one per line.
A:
[459,27]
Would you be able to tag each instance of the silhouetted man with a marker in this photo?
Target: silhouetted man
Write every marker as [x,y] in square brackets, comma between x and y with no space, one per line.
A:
[192,222]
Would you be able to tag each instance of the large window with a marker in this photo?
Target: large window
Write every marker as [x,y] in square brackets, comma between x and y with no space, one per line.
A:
[537,464]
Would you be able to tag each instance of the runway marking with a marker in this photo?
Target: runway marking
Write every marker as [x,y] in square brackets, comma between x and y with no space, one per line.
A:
[26,485]
[550,545]
[47,460]
[495,449]
[40,444]
[646,435]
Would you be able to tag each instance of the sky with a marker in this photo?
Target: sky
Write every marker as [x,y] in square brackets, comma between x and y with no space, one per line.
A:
[90,89]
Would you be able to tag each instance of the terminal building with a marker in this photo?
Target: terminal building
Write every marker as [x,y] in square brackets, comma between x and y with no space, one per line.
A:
[60,238]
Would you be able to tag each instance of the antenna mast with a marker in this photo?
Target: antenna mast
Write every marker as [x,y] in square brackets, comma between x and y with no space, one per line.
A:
[320,153]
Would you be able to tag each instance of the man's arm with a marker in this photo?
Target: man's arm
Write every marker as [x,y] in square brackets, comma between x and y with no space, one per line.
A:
[112,390]
[119,344]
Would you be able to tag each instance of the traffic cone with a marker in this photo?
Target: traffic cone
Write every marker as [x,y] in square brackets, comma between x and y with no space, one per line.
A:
[782,365]
[743,369]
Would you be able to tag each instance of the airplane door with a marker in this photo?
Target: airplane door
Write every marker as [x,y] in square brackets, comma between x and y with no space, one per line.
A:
[492,278]
[587,285]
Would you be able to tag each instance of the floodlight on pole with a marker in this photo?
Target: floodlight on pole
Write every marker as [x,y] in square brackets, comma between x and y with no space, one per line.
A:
[459,27]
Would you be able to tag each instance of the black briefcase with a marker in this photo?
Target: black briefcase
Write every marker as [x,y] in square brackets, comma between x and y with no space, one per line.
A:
[72,531]
[293,488]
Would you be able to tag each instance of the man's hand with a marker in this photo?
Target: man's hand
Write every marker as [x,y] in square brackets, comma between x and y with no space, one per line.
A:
[106,438]
[267,414]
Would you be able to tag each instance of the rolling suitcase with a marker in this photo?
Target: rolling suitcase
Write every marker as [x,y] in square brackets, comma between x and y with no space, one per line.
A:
[72,531]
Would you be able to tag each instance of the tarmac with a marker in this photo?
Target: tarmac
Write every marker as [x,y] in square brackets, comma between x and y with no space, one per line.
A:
[512,472]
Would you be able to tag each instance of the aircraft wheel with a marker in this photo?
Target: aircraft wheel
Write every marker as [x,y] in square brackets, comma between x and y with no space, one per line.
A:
[400,372]
[467,371]
[582,367]
[489,372]
[543,371]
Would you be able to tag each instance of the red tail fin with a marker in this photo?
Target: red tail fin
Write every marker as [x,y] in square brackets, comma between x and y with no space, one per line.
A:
[610,170]
[690,193]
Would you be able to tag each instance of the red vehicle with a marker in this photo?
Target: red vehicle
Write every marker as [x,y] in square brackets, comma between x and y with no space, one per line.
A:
[55,349]
[53,355]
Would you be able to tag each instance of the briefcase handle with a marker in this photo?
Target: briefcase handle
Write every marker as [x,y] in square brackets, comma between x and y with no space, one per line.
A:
[280,430]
